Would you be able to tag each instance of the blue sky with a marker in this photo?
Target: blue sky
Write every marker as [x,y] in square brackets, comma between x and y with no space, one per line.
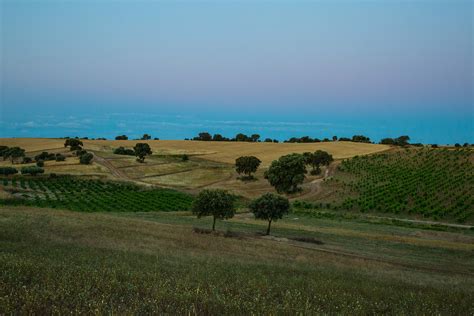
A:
[377,67]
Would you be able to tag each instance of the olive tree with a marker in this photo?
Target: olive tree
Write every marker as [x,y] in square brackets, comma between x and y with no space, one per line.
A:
[270,207]
[287,173]
[141,151]
[247,165]
[216,203]
[317,159]
[32,170]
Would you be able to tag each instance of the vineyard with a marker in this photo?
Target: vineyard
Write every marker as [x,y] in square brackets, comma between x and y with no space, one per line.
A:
[89,195]
[434,183]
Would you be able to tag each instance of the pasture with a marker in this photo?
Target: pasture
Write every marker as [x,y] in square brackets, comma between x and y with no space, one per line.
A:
[57,261]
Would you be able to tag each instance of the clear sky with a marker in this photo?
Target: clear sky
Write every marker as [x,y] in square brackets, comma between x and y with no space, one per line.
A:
[380,66]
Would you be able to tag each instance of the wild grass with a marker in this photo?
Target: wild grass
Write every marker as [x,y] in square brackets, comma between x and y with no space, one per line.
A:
[67,262]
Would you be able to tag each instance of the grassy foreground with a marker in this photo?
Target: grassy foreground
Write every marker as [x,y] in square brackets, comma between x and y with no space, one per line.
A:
[57,261]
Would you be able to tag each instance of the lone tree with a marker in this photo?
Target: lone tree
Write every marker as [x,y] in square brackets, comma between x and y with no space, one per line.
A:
[74,144]
[141,151]
[146,137]
[270,207]
[317,159]
[247,165]
[286,173]
[216,203]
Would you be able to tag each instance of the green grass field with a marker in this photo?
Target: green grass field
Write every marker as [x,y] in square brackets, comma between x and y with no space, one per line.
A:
[74,262]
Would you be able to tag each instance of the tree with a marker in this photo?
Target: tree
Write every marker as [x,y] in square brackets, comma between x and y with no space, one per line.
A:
[15,153]
[360,139]
[255,137]
[40,163]
[124,151]
[402,140]
[141,151]
[4,152]
[217,138]
[247,165]
[286,173]
[146,137]
[216,203]
[6,171]
[270,207]
[268,140]
[387,141]
[60,157]
[27,160]
[317,159]
[85,158]
[74,144]
[121,137]
[334,138]
[241,137]
[33,170]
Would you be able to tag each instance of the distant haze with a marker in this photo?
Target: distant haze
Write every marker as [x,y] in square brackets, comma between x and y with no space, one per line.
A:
[278,68]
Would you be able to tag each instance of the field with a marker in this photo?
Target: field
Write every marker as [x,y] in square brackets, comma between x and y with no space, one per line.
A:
[117,236]
[430,183]
[61,262]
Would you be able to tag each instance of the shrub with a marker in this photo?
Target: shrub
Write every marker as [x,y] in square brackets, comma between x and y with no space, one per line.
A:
[33,170]
[40,163]
[86,158]
[6,171]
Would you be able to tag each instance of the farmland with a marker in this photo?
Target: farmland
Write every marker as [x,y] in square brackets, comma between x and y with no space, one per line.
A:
[118,235]
[430,183]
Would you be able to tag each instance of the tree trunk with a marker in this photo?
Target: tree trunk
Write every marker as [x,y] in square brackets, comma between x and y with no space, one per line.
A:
[268,228]
[214,224]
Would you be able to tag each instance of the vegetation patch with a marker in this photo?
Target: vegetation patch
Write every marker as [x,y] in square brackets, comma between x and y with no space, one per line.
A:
[73,193]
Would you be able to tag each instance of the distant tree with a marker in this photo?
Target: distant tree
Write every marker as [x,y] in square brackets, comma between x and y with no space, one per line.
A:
[255,138]
[344,139]
[60,157]
[334,138]
[457,145]
[276,141]
[270,207]
[268,140]
[360,139]
[434,146]
[204,136]
[121,137]
[465,145]
[156,138]
[6,171]
[141,151]
[402,140]
[27,160]
[32,170]
[40,163]
[217,138]
[317,159]
[85,158]
[247,165]
[287,173]
[241,138]
[146,137]
[45,156]
[80,152]
[15,152]
[216,203]
[124,151]
[74,144]
[387,141]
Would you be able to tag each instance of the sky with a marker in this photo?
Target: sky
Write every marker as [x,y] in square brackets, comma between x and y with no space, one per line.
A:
[382,68]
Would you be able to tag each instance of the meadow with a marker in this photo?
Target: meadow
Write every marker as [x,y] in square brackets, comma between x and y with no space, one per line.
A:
[57,261]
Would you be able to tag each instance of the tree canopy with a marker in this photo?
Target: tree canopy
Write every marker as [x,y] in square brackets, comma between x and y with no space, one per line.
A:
[317,159]
[216,203]
[270,207]
[247,165]
[287,173]
[141,151]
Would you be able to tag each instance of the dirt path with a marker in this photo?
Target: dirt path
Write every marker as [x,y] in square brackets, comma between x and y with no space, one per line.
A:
[113,170]
[315,185]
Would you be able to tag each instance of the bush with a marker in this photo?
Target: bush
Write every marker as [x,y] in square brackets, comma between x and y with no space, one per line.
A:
[86,158]
[60,157]
[124,151]
[33,170]
[40,163]
[6,171]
